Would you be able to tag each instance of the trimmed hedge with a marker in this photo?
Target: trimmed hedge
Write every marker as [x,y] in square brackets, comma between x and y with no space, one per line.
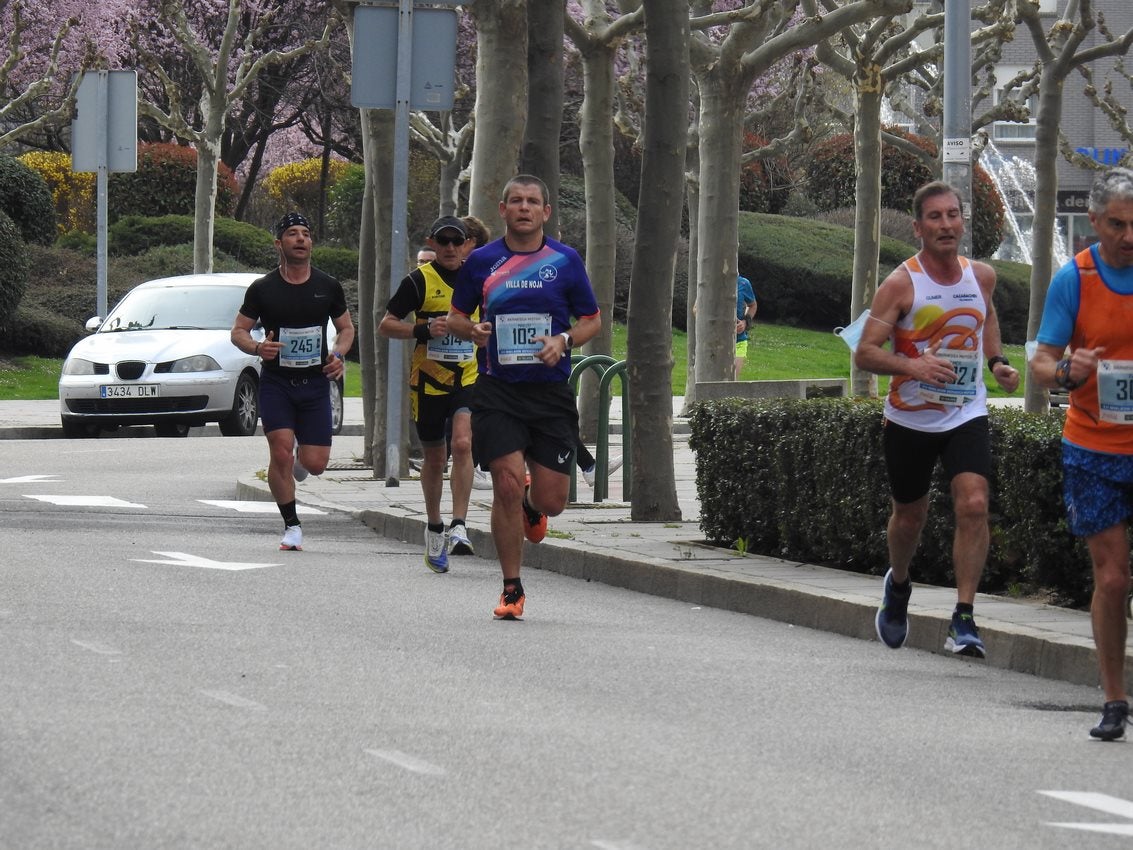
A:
[14,261]
[812,487]
[26,199]
[166,183]
[245,243]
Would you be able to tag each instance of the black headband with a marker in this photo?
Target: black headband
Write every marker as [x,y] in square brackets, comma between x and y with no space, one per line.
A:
[292,219]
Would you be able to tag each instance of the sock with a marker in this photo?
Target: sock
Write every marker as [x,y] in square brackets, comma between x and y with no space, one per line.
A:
[437,527]
[532,514]
[515,585]
[902,588]
[288,512]
[964,608]
[455,522]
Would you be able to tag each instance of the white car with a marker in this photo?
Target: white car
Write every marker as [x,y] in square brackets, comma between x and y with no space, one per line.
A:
[163,357]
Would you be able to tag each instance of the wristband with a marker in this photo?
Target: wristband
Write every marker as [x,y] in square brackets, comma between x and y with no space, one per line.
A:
[992,362]
[568,339]
[336,354]
[256,353]
[421,332]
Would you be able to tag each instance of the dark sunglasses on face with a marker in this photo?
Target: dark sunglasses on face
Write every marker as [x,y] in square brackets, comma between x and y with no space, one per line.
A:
[449,240]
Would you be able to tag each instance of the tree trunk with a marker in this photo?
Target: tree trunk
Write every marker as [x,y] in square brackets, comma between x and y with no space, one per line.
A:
[501,101]
[649,349]
[867,213]
[721,100]
[1042,228]
[204,218]
[596,143]
[545,100]
[692,204]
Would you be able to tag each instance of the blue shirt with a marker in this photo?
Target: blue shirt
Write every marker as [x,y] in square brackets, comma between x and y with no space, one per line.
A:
[1063,297]
[744,295]
[504,283]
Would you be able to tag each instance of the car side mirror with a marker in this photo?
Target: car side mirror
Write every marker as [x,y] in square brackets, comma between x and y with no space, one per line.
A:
[93,322]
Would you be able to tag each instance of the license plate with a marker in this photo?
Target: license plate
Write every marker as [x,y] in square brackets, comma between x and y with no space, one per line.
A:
[130,390]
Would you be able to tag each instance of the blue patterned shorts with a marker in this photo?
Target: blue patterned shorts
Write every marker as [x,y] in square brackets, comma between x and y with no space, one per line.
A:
[1097,489]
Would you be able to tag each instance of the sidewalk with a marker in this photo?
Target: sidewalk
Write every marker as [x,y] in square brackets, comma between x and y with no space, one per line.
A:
[600,542]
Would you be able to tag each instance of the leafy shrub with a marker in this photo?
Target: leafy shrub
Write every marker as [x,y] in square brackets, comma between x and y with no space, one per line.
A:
[894,223]
[831,184]
[341,263]
[26,200]
[814,489]
[72,192]
[344,207]
[45,334]
[246,243]
[763,182]
[76,240]
[802,270]
[166,183]
[299,185]
[14,262]
[798,205]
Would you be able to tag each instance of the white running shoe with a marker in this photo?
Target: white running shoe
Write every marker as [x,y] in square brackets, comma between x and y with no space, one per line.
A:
[436,551]
[292,539]
[481,480]
[298,470]
[591,473]
[458,542]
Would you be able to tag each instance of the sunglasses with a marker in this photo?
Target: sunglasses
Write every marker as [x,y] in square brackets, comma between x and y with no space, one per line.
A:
[449,240]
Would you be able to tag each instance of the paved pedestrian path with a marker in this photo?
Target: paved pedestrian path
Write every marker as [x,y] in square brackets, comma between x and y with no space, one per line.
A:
[601,542]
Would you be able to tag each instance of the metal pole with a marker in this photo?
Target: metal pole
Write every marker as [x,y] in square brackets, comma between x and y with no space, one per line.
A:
[102,148]
[394,378]
[957,148]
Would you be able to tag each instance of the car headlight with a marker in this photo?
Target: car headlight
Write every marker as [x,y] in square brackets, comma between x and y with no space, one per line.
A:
[78,366]
[197,363]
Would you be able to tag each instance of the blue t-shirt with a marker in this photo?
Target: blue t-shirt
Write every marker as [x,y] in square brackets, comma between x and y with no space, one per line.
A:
[1063,297]
[523,295]
[744,295]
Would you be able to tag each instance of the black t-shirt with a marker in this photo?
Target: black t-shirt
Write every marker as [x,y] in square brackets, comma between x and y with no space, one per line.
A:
[296,314]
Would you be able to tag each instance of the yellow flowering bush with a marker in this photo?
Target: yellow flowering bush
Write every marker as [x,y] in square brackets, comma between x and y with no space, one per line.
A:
[72,193]
[296,185]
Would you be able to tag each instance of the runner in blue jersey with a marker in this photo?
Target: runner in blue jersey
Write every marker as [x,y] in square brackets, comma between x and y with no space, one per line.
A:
[528,289]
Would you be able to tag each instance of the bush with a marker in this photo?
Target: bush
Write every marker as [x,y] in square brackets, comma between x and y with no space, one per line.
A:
[814,489]
[26,200]
[802,271]
[763,182]
[43,334]
[894,223]
[72,192]
[14,262]
[344,207]
[831,184]
[166,183]
[245,243]
[341,263]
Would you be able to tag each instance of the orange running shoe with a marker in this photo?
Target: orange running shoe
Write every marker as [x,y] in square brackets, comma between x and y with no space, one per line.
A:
[534,523]
[511,606]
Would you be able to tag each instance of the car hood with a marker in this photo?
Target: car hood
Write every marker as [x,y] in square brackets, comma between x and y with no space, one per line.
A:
[157,346]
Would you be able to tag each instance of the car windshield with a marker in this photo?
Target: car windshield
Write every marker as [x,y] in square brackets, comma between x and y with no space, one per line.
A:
[205,307]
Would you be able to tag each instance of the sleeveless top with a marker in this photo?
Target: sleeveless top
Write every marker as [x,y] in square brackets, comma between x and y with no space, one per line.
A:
[446,363]
[1100,417]
[952,315]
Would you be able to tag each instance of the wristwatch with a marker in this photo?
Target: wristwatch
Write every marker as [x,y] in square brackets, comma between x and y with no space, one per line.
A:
[992,362]
[568,339]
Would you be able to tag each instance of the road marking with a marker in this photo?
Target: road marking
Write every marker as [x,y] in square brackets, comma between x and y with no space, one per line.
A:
[236,701]
[615,845]
[100,648]
[181,559]
[29,479]
[408,762]
[252,507]
[1101,803]
[86,501]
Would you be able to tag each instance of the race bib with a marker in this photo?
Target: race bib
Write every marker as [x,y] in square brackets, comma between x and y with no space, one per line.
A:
[1115,391]
[517,335]
[966,364]
[450,349]
[302,347]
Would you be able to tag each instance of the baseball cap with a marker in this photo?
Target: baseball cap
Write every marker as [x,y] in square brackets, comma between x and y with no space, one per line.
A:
[448,222]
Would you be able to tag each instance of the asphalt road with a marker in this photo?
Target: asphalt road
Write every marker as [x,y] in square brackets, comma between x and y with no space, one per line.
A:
[153,694]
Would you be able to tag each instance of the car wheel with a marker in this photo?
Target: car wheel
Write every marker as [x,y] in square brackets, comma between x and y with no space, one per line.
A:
[245,415]
[171,429]
[77,430]
[336,407]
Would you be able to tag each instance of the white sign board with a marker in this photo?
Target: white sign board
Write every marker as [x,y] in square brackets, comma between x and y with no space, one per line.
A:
[432,77]
[957,150]
[121,119]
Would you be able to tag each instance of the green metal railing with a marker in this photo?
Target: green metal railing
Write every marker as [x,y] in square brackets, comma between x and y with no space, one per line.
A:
[608,369]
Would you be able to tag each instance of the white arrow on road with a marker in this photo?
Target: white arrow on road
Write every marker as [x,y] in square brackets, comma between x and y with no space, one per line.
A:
[1099,802]
[180,559]
[29,479]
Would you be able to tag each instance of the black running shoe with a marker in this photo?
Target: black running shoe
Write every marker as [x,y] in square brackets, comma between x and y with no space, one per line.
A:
[1114,715]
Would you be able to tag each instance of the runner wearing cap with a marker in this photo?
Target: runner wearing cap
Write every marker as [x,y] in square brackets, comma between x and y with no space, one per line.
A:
[441,376]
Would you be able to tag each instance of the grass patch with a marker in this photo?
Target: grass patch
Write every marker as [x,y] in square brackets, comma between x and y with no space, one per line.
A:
[776,352]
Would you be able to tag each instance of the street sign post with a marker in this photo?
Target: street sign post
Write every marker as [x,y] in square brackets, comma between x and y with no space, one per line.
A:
[104,138]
